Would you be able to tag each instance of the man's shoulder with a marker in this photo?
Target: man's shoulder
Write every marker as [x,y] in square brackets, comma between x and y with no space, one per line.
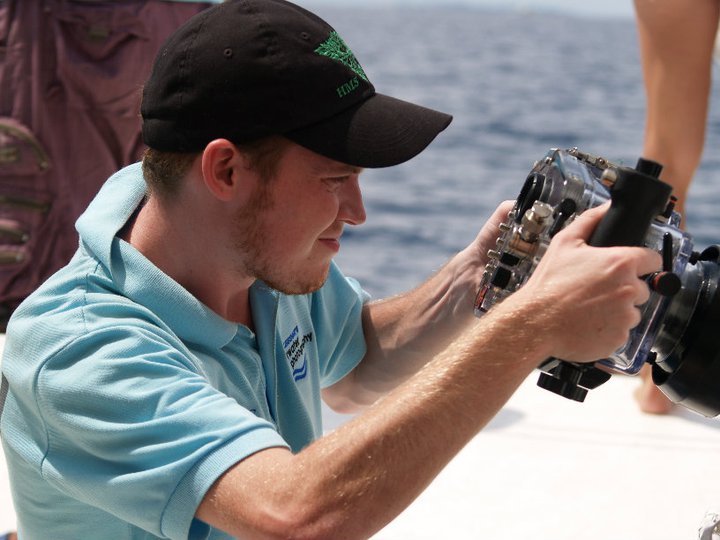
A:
[76,303]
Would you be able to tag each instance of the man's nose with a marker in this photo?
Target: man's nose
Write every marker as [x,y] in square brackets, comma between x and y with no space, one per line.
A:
[352,209]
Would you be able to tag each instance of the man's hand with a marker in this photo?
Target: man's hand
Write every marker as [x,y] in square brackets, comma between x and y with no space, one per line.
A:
[488,235]
[586,298]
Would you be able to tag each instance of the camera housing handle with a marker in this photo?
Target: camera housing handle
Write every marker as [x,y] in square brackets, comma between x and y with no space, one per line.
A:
[637,198]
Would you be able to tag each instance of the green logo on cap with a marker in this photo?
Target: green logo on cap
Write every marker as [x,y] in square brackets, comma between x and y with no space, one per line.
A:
[334,47]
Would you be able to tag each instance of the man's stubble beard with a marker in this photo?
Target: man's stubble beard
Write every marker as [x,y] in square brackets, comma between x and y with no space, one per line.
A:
[254,260]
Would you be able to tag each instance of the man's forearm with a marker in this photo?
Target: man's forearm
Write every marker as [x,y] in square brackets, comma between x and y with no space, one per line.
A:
[404,332]
[353,481]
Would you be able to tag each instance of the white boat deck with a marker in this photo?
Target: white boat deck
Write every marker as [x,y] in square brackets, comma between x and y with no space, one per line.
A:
[550,469]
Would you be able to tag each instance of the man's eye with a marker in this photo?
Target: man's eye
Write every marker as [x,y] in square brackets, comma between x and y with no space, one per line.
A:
[335,181]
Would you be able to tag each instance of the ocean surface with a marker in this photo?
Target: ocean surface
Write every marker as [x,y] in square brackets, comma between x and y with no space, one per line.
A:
[517,84]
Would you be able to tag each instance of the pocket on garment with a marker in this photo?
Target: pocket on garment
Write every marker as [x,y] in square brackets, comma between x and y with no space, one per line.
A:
[102,56]
[24,201]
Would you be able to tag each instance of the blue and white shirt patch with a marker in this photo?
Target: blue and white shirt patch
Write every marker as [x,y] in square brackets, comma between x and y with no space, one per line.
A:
[296,353]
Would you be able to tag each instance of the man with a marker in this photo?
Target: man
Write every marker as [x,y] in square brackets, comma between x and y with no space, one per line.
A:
[167,382]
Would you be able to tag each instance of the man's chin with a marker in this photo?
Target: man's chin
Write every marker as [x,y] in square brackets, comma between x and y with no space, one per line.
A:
[300,286]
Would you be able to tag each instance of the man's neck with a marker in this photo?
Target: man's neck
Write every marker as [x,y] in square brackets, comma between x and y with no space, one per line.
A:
[182,250]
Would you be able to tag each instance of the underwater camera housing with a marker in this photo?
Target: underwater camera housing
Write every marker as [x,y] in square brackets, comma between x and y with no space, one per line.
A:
[679,329]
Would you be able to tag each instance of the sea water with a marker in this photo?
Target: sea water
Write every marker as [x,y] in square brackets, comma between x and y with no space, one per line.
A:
[517,84]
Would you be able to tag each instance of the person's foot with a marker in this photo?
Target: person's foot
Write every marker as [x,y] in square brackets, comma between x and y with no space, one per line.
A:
[649,397]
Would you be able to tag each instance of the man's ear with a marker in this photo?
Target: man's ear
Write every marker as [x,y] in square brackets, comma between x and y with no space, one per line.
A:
[222,168]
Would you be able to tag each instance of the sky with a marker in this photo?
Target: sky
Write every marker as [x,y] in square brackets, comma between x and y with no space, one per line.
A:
[614,8]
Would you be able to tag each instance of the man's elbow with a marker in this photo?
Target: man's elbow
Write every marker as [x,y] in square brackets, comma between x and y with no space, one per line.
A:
[297,520]
[347,396]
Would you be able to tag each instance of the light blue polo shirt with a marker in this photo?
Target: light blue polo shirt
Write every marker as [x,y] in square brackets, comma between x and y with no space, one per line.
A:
[129,397]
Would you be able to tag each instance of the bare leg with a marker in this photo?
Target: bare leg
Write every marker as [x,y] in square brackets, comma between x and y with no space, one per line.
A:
[650,399]
[676,45]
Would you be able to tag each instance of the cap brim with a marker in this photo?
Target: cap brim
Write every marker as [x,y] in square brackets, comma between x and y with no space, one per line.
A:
[379,132]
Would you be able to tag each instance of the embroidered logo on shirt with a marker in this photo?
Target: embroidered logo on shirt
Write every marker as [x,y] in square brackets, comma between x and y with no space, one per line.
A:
[296,354]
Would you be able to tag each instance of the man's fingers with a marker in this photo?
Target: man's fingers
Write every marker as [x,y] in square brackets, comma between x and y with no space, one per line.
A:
[584,224]
[582,227]
[649,261]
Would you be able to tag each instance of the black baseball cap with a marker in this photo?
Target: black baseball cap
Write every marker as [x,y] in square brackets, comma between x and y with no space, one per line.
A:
[246,69]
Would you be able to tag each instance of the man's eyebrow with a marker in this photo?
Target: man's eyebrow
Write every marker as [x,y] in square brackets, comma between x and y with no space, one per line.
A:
[338,169]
